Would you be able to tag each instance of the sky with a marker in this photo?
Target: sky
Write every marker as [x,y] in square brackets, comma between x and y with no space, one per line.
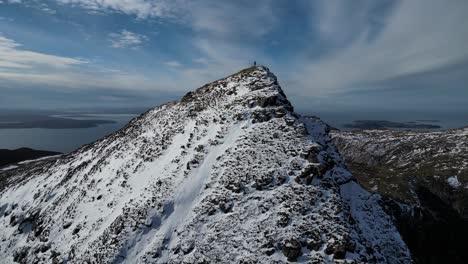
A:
[329,55]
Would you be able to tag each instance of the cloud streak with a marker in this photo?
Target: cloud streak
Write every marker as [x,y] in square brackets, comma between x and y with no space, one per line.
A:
[13,57]
[24,68]
[127,40]
[319,48]
[139,8]
[416,38]
[173,63]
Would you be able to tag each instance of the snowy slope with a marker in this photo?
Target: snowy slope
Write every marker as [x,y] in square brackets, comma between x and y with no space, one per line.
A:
[397,163]
[423,179]
[228,174]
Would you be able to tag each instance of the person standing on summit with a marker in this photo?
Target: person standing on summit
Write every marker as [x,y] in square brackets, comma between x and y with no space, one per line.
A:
[255,63]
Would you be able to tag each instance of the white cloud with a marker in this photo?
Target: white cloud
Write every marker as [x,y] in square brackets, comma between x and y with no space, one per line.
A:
[419,36]
[140,8]
[12,56]
[24,68]
[201,60]
[173,63]
[232,18]
[416,36]
[339,21]
[127,39]
[223,30]
[252,18]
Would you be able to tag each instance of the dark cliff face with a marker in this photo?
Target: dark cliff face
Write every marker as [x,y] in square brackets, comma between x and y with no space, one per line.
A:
[433,231]
[422,177]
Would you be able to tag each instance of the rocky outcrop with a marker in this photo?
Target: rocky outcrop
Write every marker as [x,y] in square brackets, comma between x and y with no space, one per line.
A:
[228,174]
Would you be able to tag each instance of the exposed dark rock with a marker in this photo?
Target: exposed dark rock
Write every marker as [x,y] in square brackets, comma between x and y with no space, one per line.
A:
[76,230]
[339,253]
[291,249]
[434,233]
[44,247]
[269,251]
[330,249]
[226,207]
[20,254]
[187,97]
[67,224]
[314,245]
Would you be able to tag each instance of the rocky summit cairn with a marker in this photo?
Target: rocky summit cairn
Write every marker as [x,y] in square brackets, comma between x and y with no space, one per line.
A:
[228,174]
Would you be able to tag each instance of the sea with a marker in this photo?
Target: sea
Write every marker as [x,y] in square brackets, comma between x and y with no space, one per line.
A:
[62,140]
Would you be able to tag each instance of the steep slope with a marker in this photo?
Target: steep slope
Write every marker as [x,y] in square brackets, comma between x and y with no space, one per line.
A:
[228,174]
[398,163]
[424,176]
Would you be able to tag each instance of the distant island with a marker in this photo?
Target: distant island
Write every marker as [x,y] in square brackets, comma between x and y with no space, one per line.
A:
[55,123]
[383,124]
[428,120]
[13,156]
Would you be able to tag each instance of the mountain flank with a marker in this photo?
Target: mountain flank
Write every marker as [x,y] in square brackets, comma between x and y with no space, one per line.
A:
[423,177]
[228,174]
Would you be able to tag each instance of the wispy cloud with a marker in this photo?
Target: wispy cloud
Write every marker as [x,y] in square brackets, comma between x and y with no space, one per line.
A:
[127,39]
[201,60]
[12,56]
[223,31]
[24,68]
[139,8]
[325,46]
[173,63]
[419,36]
[232,19]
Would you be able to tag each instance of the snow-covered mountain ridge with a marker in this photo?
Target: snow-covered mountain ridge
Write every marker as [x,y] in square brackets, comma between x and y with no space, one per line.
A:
[228,174]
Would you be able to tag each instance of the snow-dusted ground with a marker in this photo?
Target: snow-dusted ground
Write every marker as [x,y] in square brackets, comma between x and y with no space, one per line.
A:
[228,174]
[43,158]
[395,163]
[423,179]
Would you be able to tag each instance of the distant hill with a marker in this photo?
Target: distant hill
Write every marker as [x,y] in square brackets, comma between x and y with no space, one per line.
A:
[8,156]
[384,124]
[423,176]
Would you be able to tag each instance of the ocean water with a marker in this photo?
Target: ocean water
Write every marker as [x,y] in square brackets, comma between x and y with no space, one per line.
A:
[61,140]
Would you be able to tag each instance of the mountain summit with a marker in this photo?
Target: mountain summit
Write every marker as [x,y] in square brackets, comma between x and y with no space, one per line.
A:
[227,174]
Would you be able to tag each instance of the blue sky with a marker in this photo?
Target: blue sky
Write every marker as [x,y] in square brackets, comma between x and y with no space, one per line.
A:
[333,55]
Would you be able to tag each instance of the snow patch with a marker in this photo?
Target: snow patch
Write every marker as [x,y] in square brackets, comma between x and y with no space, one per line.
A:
[453,181]
[10,167]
